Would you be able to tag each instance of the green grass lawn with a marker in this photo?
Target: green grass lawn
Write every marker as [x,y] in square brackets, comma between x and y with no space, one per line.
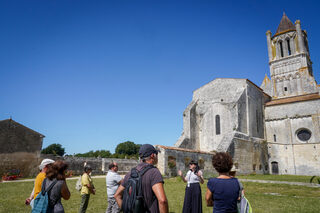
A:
[290,178]
[263,197]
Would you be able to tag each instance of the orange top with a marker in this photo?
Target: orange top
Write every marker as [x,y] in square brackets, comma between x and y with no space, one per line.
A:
[38,183]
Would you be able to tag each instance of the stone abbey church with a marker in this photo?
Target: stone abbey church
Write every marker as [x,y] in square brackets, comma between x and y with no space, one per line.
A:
[274,128]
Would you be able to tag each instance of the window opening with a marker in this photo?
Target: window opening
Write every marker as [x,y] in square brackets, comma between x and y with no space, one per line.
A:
[274,138]
[281,48]
[289,49]
[218,125]
[304,134]
[285,89]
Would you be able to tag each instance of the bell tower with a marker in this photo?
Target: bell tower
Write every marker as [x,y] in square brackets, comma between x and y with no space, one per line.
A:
[289,61]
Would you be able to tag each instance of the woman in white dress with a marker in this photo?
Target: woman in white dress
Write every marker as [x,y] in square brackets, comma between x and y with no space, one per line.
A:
[192,199]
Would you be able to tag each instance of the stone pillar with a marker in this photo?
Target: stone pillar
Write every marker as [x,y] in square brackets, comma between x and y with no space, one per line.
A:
[285,48]
[268,33]
[302,47]
[293,89]
[299,86]
[293,47]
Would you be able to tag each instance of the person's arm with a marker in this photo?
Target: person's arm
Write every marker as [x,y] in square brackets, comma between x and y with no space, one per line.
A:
[91,188]
[161,196]
[199,174]
[118,195]
[65,193]
[28,200]
[181,175]
[209,198]
[87,183]
[119,179]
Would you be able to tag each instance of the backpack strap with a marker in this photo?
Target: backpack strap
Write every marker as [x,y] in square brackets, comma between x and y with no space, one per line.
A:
[240,188]
[141,173]
[51,185]
[145,169]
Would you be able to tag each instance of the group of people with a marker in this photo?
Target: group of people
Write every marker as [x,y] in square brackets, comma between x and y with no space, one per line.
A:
[51,175]
[223,192]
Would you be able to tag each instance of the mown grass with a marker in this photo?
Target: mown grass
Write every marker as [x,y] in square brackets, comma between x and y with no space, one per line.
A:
[289,178]
[264,198]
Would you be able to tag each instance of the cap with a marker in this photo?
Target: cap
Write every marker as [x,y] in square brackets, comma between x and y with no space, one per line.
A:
[45,162]
[146,150]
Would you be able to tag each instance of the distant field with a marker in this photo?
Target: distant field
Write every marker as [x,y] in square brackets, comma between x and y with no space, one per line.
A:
[263,197]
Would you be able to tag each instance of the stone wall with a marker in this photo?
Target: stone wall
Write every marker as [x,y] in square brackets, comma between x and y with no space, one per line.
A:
[287,151]
[250,156]
[172,159]
[99,165]
[15,137]
[298,159]
[26,163]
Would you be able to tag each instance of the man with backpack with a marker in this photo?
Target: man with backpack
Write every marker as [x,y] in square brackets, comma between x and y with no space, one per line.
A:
[142,189]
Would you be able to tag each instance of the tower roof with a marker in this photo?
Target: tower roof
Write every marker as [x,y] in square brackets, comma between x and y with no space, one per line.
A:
[285,25]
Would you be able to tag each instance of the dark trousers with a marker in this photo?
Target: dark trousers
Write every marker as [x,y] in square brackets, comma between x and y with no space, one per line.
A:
[192,199]
[84,203]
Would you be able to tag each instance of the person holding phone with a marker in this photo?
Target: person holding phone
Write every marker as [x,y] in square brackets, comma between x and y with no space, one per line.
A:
[192,199]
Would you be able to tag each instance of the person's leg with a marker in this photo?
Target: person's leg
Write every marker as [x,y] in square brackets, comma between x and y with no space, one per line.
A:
[109,209]
[84,203]
[187,200]
[115,207]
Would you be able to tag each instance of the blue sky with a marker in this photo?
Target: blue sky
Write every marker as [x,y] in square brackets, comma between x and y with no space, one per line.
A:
[92,74]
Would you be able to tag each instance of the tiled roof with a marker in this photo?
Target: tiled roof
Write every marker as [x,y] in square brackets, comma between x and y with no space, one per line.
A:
[285,25]
[183,149]
[16,123]
[279,101]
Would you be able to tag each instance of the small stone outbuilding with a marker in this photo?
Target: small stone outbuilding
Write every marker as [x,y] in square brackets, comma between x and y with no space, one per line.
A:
[20,148]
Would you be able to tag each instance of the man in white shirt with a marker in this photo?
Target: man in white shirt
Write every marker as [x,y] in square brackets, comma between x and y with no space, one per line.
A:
[113,180]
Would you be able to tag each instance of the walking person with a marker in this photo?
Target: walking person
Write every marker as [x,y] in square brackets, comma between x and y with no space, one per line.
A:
[43,167]
[223,191]
[113,180]
[55,176]
[155,200]
[192,199]
[86,189]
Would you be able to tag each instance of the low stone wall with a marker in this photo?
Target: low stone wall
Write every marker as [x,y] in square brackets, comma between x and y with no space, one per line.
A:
[172,159]
[99,165]
[25,162]
[28,163]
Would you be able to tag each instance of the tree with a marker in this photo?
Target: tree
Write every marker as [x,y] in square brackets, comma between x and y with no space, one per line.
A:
[98,153]
[55,149]
[127,148]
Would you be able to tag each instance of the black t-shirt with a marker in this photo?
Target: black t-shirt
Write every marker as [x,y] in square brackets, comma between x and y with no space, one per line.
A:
[150,178]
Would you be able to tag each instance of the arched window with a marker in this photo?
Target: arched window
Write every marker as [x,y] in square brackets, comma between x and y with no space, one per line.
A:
[281,48]
[289,48]
[274,138]
[218,131]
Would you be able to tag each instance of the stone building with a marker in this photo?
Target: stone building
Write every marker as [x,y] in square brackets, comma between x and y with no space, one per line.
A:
[292,117]
[274,128]
[20,147]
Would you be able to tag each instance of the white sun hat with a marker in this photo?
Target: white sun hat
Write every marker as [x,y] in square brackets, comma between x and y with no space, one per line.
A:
[45,162]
